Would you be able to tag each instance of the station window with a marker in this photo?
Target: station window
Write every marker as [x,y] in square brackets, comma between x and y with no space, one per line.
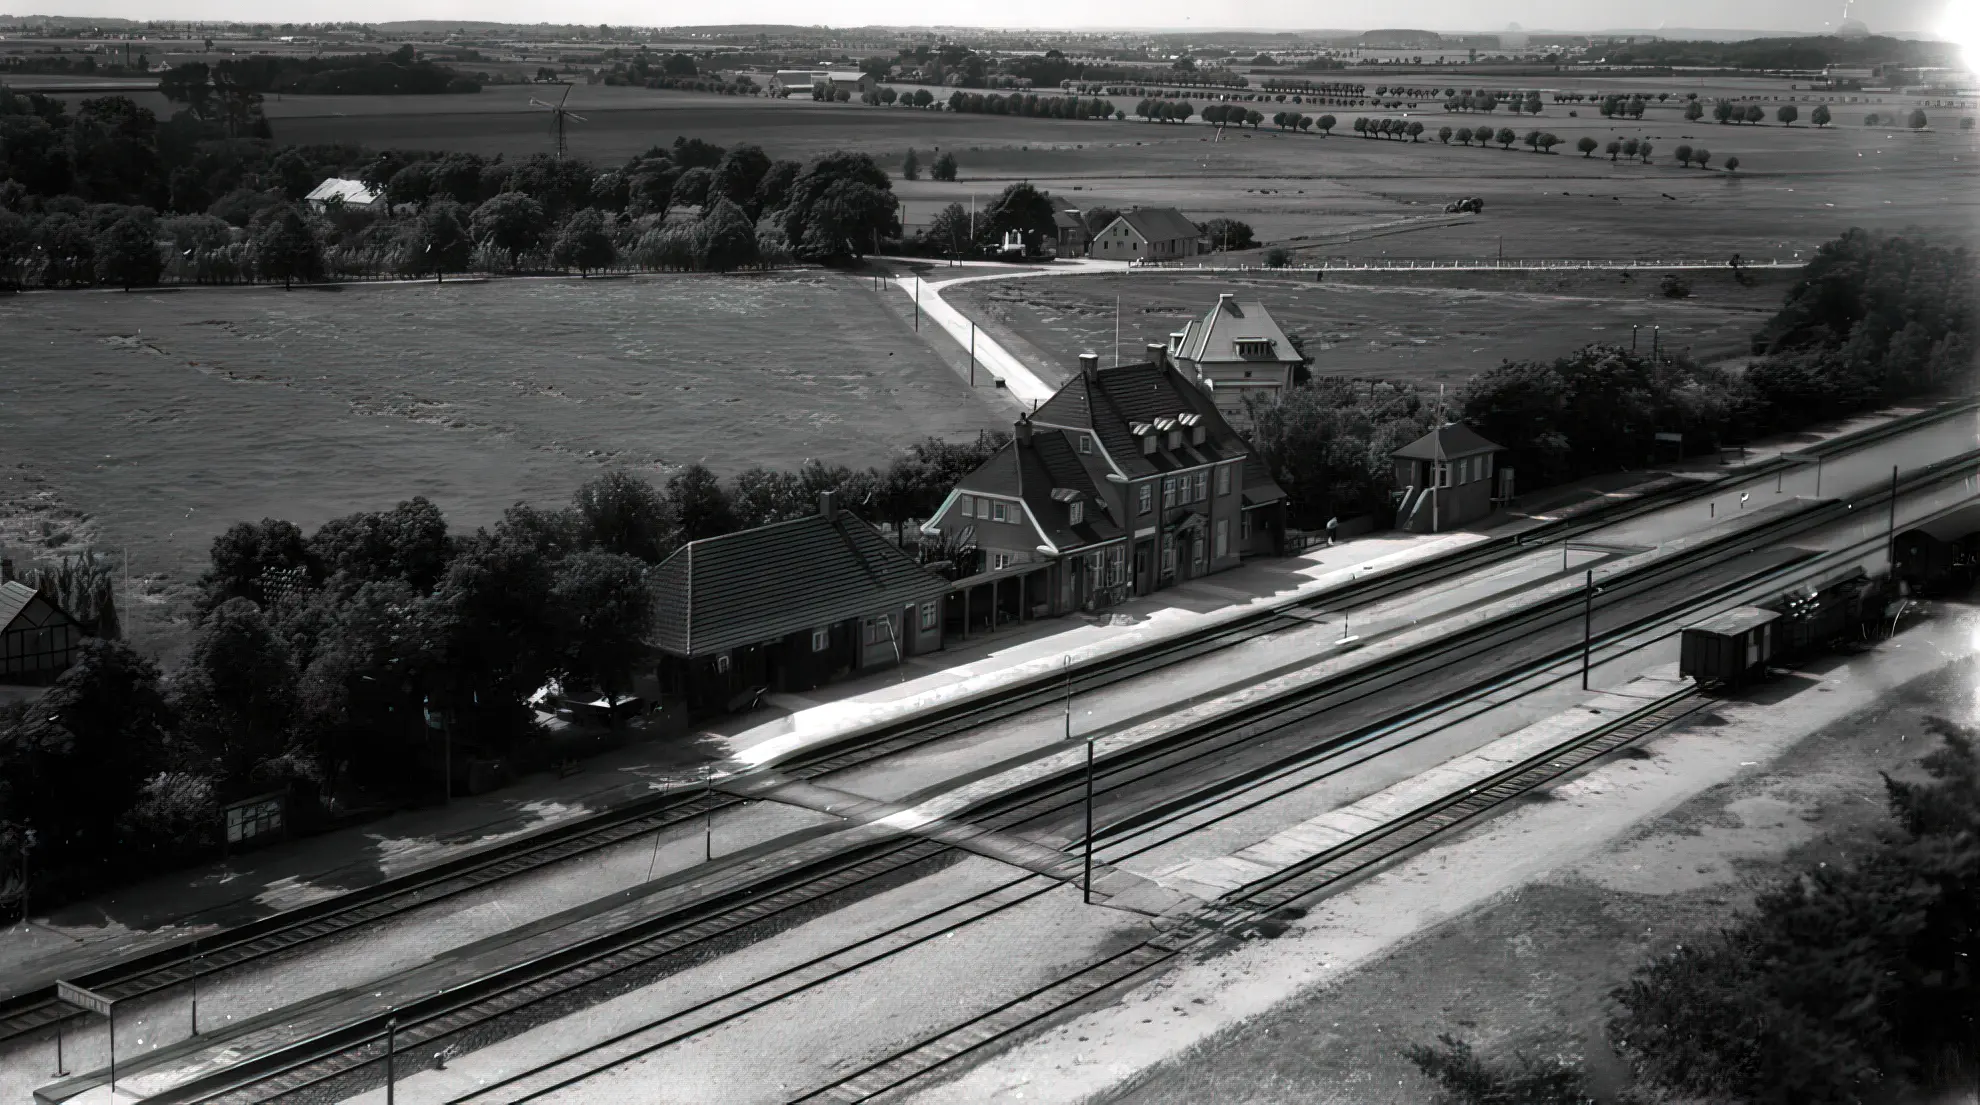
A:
[930,615]
[1000,512]
[1147,497]
[1075,513]
[1202,486]
[1224,479]
[821,639]
[1168,492]
[966,504]
[999,561]
[1086,444]
[1223,538]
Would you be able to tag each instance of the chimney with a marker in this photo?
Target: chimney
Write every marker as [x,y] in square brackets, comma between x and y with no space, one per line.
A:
[828,505]
[1023,431]
[6,570]
[1089,364]
[1158,353]
[1227,301]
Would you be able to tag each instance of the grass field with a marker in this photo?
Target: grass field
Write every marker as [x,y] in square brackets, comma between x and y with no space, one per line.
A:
[1397,327]
[151,421]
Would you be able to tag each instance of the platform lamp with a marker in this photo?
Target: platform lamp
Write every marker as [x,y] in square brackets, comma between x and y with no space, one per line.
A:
[1588,593]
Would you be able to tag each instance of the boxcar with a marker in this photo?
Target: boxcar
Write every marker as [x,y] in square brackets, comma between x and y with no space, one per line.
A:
[1730,648]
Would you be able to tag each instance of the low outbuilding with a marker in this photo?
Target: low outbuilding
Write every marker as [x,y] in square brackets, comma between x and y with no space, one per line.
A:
[1449,477]
[341,192]
[787,607]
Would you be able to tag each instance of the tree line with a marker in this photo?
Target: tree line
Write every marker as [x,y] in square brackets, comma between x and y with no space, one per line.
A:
[111,195]
[1031,105]
[335,665]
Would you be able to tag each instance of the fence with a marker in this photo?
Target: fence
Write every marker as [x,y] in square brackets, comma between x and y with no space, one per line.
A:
[1467,266]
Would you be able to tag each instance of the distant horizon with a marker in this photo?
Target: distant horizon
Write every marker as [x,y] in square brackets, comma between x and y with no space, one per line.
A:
[1682,18]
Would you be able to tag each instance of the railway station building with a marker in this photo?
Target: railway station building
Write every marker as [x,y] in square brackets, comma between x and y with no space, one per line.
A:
[1126,481]
[1450,477]
[1236,350]
[789,606]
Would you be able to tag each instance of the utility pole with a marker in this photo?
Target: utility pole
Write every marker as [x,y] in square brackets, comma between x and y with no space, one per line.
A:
[1587,625]
[1117,331]
[198,961]
[391,1057]
[1087,881]
[917,304]
[708,813]
[1890,539]
[972,354]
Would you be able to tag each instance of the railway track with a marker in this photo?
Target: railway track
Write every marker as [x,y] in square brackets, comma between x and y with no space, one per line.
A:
[315,1063]
[260,940]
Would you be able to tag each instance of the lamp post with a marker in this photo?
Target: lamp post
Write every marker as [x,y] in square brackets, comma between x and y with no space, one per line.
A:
[1890,536]
[391,1057]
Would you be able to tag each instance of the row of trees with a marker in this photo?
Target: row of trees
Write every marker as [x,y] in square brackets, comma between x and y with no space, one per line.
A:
[334,664]
[1031,105]
[450,213]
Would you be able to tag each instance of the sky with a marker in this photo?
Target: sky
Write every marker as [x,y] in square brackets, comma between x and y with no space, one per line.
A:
[1440,15]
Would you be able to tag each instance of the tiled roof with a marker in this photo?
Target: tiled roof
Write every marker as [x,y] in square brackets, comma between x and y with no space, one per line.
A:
[1160,224]
[1113,400]
[1032,470]
[1447,443]
[1259,486]
[760,584]
[14,598]
[1213,338]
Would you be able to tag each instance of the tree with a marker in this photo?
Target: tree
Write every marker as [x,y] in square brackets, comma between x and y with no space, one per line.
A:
[1702,155]
[1872,119]
[1755,113]
[286,249]
[512,223]
[1614,149]
[1444,135]
[439,241]
[407,544]
[1464,136]
[739,176]
[699,505]
[1506,138]
[1820,116]
[1415,128]
[1587,146]
[1643,150]
[1021,208]
[1966,123]
[1916,120]
[1326,125]
[692,187]
[1732,164]
[1228,234]
[724,238]
[949,231]
[1630,147]
[618,512]
[1683,154]
[127,252]
[839,206]
[1723,112]
[584,245]
[235,694]
[1787,114]
[910,166]
[1693,111]
[945,167]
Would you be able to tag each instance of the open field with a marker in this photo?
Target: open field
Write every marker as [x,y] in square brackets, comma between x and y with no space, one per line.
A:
[163,417]
[1532,971]
[1397,327]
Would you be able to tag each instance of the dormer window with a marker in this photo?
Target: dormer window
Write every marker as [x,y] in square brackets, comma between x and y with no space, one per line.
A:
[1148,445]
[1254,347]
[1075,513]
[1086,444]
[1175,439]
[1196,436]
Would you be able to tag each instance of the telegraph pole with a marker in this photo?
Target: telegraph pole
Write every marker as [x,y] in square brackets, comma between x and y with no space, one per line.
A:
[1890,538]
[1087,881]
[1587,625]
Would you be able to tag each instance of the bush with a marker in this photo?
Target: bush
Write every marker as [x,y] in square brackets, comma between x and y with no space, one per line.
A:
[1674,286]
[176,819]
[1228,234]
[1464,1079]
[1278,257]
